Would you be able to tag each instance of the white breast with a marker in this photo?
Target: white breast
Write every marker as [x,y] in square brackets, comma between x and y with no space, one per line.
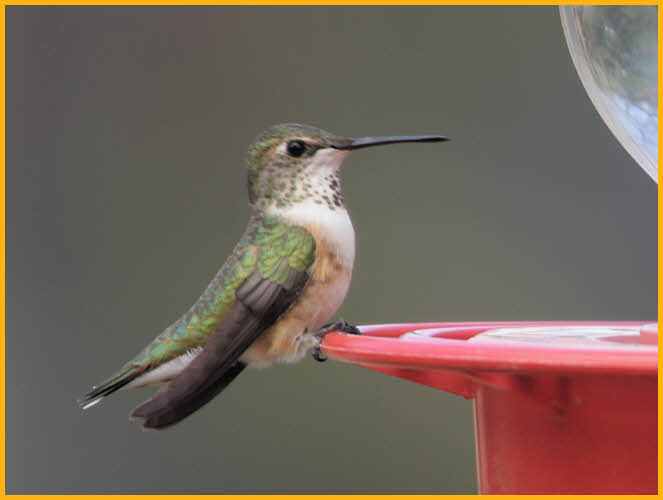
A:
[335,225]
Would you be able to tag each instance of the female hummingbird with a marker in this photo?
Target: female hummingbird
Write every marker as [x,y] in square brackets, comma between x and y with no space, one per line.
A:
[285,278]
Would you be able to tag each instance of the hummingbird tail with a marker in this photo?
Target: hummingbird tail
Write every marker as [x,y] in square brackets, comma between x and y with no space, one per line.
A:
[165,409]
[108,387]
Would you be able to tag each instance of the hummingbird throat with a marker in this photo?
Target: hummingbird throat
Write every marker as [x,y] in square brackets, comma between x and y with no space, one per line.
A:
[281,185]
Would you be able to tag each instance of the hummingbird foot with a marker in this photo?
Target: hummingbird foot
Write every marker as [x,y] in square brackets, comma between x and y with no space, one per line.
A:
[335,326]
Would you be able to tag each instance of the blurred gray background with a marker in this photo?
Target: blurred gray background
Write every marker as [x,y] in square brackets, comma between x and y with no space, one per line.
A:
[126,134]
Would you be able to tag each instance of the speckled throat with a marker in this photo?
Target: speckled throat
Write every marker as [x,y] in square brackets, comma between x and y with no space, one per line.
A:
[282,184]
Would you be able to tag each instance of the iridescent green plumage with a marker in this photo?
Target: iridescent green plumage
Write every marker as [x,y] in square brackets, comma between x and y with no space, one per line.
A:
[272,247]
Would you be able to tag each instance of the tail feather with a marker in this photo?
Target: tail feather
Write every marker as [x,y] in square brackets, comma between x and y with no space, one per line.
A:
[107,387]
[163,411]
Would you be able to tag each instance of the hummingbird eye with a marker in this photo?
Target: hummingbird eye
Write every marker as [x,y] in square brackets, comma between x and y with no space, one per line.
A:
[296,148]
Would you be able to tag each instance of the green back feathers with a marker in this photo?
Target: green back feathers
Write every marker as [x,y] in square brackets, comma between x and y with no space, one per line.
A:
[270,246]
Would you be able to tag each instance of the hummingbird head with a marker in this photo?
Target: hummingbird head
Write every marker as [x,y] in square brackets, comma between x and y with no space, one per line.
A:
[291,163]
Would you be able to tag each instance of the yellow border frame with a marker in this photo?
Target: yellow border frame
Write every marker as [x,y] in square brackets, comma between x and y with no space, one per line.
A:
[277,2]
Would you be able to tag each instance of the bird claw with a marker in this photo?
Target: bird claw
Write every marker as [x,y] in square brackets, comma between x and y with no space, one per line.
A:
[317,354]
[335,326]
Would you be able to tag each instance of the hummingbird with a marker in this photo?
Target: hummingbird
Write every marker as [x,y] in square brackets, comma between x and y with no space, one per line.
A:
[274,295]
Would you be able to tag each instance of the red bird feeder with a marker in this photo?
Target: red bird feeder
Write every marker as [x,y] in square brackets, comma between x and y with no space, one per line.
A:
[558,407]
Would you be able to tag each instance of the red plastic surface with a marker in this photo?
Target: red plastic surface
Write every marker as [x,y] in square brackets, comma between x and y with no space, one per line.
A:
[548,418]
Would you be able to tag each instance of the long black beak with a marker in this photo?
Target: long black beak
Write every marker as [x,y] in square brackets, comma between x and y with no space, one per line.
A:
[364,142]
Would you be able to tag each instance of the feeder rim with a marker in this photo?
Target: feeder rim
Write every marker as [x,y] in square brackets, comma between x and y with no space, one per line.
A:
[382,345]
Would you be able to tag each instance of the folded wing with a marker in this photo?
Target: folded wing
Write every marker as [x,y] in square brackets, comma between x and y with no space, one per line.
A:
[284,255]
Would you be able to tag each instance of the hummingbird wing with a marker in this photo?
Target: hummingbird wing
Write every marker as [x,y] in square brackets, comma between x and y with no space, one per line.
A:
[259,281]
